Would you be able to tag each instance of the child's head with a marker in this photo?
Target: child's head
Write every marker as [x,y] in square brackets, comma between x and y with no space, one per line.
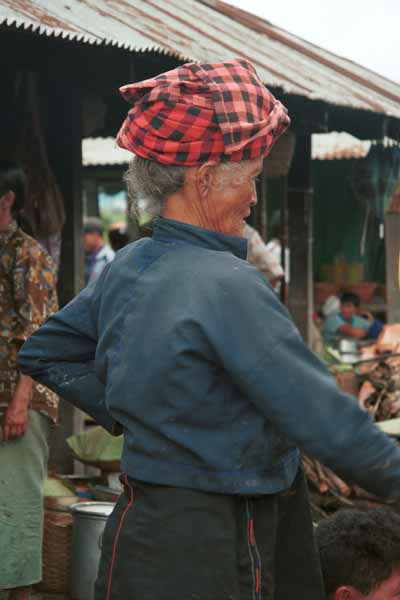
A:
[360,555]
[349,305]
[93,234]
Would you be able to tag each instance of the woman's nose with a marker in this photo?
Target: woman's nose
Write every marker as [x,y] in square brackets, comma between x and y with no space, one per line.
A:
[253,200]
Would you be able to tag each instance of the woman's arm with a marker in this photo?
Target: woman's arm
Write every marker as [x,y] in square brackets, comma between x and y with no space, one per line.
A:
[61,353]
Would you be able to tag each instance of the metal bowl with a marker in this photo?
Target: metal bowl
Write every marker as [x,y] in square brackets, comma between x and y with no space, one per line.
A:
[350,357]
[348,346]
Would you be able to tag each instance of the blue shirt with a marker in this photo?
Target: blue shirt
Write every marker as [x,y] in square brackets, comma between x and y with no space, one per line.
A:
[332,324]
[186,345]
[96,261]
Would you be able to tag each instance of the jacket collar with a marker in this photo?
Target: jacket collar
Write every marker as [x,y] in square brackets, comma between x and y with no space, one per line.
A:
[169,231]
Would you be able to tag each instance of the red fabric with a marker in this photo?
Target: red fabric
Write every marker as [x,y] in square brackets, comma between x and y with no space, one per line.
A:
[117,535]
[200,112]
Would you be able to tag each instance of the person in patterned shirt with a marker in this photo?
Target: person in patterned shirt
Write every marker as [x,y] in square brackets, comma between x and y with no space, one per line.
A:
[27,298]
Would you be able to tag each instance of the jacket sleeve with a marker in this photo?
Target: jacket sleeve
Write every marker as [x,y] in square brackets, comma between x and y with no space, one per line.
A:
[258,344]
[61,353]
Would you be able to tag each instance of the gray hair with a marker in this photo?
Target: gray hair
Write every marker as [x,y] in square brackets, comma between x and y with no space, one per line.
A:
[149,184]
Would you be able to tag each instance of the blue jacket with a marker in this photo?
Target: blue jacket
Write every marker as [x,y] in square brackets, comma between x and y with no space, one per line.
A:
[185,345]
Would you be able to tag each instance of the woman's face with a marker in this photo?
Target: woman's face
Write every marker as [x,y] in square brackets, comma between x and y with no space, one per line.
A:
[220,197]
[231,195]
[216,197]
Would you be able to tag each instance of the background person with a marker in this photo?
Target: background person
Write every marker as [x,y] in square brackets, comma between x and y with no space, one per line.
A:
[97,253]
[360,554]
[266,257]
[346,323]
[27,298]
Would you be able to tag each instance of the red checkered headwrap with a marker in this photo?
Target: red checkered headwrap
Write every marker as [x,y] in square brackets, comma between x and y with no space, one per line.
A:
[201,112]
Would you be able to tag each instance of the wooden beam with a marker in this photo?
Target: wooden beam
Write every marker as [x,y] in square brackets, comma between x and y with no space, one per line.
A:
[393,128]
[307,116]
[63,135]
[259,212]
[392,242]
[363,124]
[64,150]
[300,240]
[285,241]
[90,197]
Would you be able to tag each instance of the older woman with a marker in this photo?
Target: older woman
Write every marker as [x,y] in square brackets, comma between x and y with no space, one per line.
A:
[186,346]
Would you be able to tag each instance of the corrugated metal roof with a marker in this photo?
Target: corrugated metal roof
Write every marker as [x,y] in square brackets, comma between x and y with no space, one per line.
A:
[331,146]
[103,151]
[325,146]
[210,30]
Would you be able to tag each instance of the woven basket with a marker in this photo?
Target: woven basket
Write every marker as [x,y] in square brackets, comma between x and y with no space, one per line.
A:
[278,163]
[57,540]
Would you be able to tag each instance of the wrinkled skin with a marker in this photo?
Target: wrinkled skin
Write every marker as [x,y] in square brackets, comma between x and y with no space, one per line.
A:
[216,197]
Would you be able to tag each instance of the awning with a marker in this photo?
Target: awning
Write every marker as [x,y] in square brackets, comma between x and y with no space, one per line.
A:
[210,30]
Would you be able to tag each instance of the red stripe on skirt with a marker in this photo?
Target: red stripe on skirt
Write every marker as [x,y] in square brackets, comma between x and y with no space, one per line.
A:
[257,581]
[251,532]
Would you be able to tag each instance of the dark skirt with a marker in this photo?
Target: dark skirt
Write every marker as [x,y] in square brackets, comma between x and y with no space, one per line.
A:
[166,543]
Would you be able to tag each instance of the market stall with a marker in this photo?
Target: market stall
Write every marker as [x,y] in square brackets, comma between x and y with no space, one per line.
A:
[374,381]
[352,198]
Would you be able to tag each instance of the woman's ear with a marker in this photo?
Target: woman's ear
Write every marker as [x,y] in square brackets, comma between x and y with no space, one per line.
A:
[204,178]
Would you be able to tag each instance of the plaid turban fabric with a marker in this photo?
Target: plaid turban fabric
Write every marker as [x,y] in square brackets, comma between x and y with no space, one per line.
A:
[200,112]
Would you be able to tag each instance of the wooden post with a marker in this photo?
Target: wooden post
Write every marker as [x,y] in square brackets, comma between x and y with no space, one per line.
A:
[262,205]
[63,138]
[300,242]
[258,217]
[65,155]
[90,197]
[392,242]
[285,241]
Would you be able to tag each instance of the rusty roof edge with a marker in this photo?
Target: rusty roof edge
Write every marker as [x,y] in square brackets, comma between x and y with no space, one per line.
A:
[172,51]
[263,26]
[16,23]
